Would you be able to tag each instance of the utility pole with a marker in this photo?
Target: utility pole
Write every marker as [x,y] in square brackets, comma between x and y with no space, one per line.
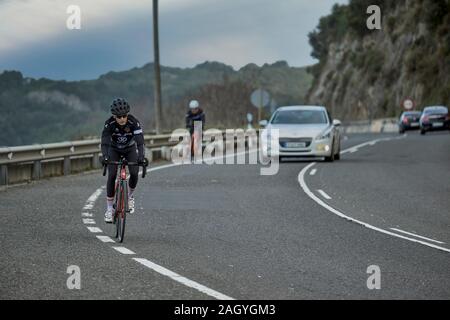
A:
[157,69]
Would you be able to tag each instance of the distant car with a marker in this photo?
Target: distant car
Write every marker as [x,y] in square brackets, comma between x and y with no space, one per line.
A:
[434,119]
[304,131]
[409,120]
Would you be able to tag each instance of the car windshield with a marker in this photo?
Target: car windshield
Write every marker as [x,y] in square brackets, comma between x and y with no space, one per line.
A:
[413,114]
[436,110]
[300,117]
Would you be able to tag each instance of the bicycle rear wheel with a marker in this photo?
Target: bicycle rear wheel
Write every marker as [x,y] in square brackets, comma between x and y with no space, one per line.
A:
[121,215]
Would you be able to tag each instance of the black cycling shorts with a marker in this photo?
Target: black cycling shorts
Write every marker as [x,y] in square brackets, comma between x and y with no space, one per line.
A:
[131,154]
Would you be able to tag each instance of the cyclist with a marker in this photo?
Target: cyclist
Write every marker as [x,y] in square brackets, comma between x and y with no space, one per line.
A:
[122,135]
[194,114]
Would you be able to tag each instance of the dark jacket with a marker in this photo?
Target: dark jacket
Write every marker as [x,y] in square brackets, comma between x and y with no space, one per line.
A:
[192,118]
[123,137]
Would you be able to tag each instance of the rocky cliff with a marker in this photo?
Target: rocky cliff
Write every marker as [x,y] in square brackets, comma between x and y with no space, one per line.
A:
[364,74]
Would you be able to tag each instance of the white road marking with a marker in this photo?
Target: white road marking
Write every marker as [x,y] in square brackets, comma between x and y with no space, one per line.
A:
[417,236]
[105,239]
[123,250]
[181,164]
[149,264]
[164,167]
[87,214]
[95,195]
[372,142]
[88,221]
[355,148]
[187,282]
[313,172]
[301,180]
[95,230]
[326,196]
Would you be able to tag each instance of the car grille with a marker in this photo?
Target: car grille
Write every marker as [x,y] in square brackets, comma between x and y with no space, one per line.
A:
[307,141]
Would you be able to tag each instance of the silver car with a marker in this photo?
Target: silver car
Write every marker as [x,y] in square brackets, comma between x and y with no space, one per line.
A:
[304,131]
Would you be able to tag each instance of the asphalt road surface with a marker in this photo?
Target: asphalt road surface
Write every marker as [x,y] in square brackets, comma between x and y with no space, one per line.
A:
[224,231]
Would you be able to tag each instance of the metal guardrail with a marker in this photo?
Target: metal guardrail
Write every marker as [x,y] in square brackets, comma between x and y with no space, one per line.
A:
[388,125]
[39,152]
[24,163]
[33,158]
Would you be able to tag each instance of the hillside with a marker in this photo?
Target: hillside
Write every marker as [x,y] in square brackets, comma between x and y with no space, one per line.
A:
[42,110]
[366,74]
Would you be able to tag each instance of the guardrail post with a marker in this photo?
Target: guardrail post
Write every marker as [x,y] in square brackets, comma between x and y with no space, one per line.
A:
[95,161]
[37,170]
[67,167]
[156,154]
[3,174]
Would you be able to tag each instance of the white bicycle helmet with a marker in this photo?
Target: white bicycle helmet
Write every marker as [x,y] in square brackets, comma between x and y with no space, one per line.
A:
[194,104]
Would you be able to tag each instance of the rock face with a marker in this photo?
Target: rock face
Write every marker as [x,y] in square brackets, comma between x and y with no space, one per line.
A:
[366,76]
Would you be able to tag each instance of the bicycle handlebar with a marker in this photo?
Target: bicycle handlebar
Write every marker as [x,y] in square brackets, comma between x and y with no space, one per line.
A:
[144,165]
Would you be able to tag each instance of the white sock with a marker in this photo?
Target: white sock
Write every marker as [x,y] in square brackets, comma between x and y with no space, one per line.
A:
[109,203]
[130,192]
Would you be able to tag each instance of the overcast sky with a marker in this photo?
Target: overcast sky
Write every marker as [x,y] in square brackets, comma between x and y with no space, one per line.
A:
[117,34]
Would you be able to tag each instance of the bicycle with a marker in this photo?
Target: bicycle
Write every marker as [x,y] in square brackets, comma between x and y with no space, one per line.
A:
[121,193]
[194,144]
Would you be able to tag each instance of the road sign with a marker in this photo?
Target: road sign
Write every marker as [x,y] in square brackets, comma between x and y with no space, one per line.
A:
[408,104]
[260,98]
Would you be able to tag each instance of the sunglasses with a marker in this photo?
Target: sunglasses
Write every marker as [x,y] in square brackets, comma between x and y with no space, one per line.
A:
[120,117]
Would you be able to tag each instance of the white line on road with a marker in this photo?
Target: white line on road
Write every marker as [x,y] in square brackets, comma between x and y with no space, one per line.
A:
[161,270]
[95,195]
[301,180]
[187,282]
[105,239]
[88,221]
[313,172]
[123,250]
[151,265]
[209,159]
[323,193]
[95,230]
[417,236]
[87,214]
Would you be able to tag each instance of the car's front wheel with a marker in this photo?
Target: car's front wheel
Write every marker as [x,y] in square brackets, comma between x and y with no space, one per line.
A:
[332,157]
[338,154]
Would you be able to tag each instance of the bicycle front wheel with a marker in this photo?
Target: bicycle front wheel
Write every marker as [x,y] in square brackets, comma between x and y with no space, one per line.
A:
[122,214]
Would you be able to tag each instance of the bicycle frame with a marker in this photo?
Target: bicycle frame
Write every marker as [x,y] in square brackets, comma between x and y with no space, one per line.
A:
[121,193]
[121,182]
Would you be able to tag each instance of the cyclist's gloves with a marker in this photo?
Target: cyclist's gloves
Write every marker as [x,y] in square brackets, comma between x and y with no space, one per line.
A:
[143,161]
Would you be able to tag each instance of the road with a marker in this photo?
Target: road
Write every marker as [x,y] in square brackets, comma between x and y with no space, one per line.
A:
[225,231]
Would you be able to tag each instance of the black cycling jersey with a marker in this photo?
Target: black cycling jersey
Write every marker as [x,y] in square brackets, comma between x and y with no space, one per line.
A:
[123,137]
[191,118]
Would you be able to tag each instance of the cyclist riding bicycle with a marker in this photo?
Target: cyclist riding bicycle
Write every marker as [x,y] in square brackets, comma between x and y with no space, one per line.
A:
[122,136]
[195,114]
